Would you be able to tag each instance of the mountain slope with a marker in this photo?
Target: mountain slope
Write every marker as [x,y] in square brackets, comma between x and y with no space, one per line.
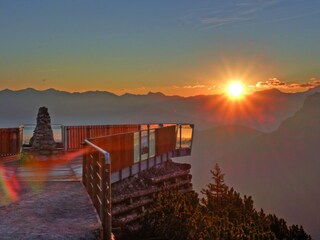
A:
[280,169]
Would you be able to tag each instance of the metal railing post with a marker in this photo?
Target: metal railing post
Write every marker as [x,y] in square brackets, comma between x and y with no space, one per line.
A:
[180,137]
[84,167]
[66,137]
[106,191]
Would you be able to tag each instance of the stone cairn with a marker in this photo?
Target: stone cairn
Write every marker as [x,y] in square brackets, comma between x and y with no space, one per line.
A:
[42,141]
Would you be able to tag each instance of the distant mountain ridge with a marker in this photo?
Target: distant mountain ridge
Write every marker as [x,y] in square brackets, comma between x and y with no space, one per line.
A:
[263,110]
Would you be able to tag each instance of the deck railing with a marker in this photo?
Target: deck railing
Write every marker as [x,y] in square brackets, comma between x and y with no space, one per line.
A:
[112,158]
[10,141]
[154,143]
[96,177]
[70,138]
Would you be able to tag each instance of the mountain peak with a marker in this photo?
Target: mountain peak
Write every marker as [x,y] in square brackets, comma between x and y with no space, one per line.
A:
[149,94]
[160,94]
[29,90]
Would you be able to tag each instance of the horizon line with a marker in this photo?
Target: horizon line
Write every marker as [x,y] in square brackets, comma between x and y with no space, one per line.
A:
[146,94]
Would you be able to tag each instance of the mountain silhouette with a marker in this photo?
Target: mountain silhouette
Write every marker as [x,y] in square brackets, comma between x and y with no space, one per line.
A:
[280,169]
[263,110]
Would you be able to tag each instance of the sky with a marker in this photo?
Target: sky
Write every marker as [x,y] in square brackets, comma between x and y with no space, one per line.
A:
[180,47]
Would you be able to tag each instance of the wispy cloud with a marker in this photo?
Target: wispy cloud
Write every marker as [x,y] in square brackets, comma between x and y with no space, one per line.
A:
[245,12]
[276,83]
[271,82]
[209,87]
[315,81]
[191,86]
[228,13]
[195,86]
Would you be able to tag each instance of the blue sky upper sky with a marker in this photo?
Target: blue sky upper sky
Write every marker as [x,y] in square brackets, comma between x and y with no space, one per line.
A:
[178,47]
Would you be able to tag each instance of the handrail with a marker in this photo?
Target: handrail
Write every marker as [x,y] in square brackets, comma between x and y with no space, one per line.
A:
[96,178]
[105,153]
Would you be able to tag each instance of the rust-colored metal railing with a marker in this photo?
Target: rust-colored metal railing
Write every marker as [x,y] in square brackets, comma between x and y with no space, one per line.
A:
[70,138]
[73,136]
[10,141]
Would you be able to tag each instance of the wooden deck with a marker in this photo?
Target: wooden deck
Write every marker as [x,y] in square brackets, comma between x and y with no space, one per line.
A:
[52,204]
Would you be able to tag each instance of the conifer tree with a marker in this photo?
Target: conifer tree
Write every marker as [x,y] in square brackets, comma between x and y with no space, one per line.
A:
[214,195]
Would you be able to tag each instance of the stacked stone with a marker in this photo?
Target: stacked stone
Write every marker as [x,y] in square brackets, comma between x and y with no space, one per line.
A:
[42,141]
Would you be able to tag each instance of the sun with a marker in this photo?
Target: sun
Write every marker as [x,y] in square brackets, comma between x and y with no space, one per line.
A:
[235,89]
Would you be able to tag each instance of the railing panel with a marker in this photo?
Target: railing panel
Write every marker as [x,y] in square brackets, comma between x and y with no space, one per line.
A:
[75,135]
[184,136]
[10,142]
[165,139]
[120,148]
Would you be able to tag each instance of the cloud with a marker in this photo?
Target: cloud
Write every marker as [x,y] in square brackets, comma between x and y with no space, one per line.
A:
[228,13]
[249,12]
[195,86]
[216,21]
[276,83]
[191,86]
[307,85]
[272,82]
[311,84]
[212,87]
[140,88]
[315,81]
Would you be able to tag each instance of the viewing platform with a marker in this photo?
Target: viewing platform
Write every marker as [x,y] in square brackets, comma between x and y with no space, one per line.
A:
[68,196]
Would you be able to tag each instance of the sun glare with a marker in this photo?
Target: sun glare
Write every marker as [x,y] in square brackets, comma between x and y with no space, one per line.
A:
[235,89]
